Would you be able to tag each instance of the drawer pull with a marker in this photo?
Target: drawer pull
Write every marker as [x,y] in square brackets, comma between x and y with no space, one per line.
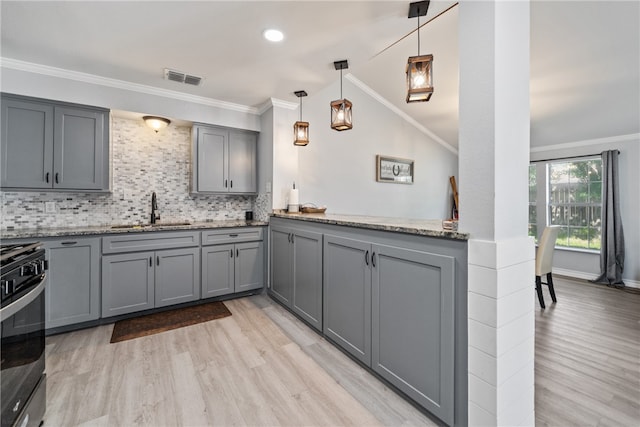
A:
[69,243]
[233,235]
[150,261]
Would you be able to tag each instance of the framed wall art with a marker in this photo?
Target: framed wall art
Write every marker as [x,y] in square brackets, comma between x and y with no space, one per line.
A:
[393,169]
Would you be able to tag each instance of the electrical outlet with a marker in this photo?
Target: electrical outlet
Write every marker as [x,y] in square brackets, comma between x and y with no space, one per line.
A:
[50,207]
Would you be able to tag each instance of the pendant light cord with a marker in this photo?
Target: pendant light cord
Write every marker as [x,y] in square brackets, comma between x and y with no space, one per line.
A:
[300,108]
[407,35]
[340,83]
[418,30]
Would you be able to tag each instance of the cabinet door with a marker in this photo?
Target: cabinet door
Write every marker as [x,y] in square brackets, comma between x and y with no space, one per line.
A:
[79,161]
[212,159]
[73,281]
[127,283]
[413,336]
[347,295]
[242,162]
[217,270]
[249,266]
[177,276]
[27,144]
[281,265]
[307,276]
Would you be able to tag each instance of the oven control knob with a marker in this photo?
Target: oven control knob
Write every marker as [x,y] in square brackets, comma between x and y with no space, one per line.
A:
[28,270]
[7,287]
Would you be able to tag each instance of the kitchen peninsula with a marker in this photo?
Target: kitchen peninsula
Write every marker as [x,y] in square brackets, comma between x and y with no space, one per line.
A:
[391,293]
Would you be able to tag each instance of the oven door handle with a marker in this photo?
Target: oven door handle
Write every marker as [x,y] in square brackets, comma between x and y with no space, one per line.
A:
[25,300]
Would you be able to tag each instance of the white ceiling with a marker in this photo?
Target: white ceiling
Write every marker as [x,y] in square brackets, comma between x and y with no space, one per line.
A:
[585,55]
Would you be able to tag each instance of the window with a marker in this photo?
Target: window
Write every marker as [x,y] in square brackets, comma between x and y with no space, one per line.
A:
[575,202]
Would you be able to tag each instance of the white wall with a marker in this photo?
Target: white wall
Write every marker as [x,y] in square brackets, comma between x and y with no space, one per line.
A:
[587,265]
[118,95]
[338,170]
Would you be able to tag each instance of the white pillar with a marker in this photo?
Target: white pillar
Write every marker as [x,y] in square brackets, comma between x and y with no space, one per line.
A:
[493,175]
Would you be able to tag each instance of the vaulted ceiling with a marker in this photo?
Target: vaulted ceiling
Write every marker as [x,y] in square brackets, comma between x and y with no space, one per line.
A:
[585,55]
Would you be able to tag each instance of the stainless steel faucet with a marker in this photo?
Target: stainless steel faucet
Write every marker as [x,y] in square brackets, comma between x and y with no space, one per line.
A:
[154,208]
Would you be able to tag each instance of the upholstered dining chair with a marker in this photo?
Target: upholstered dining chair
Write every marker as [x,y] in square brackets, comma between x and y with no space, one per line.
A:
[544,262]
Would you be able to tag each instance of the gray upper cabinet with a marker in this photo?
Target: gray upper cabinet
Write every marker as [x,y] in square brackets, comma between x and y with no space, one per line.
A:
[53,146]
[224,160]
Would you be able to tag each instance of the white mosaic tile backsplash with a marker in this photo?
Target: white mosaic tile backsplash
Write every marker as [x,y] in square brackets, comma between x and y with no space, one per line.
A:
[142,162]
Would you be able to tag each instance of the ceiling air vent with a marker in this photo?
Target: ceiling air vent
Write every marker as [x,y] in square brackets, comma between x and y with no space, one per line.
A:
[178,76]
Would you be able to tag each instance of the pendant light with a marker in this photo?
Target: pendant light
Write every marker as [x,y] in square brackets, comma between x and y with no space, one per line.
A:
[419,68]
[300,128]
[341,109]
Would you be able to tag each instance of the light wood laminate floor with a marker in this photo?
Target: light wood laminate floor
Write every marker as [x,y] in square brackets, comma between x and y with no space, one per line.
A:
[587,356]
[261,366]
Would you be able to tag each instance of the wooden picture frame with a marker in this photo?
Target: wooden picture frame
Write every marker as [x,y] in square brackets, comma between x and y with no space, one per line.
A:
[394,169]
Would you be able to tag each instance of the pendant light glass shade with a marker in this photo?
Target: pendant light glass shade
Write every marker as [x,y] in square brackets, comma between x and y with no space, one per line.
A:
[300,128]
[300,133]
[419,78]
[156,123]
[341,115]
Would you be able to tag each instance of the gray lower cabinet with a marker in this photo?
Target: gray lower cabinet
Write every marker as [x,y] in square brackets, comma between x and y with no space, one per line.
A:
[177,276]
[127,283]
[296,262]
[413,325]
[347,295]
[229,267]
[147,270]
[48,145]
[393,309]
[72,291]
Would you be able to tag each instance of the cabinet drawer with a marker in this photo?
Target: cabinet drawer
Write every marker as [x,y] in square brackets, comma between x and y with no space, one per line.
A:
[133,242]
[231,235]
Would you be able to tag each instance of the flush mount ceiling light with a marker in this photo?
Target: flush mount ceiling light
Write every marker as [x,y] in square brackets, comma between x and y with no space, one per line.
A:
[300,128]
[341,109]
[419,68]
[273,35]
[156,123]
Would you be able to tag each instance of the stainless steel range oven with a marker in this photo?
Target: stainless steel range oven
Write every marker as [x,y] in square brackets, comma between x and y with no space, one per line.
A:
[22,312]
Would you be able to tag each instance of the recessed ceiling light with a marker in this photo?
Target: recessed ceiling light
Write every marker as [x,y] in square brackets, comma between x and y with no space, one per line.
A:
[273,35]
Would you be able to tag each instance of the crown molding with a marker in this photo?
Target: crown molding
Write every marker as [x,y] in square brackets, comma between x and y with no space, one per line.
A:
[588,142]
[275,102]
[46,70]
[382,100]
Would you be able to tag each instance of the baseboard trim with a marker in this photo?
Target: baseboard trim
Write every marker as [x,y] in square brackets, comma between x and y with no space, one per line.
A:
[588,276]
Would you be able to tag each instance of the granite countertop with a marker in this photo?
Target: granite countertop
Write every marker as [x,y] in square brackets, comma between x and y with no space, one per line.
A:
[118,229]
[421,227]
